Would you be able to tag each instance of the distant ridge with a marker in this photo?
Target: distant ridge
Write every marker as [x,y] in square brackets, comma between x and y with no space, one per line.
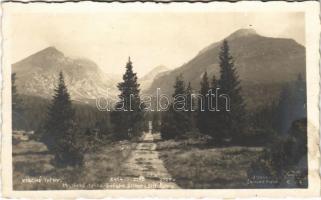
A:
[260,61]
[147,80]
[37,76]
[242,33]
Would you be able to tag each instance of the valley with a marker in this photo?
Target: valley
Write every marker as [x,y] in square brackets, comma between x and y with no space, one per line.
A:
[62,139]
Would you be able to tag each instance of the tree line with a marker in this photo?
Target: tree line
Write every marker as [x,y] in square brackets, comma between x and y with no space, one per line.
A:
[281,126]
[70,130]
[69,133]
[226,122]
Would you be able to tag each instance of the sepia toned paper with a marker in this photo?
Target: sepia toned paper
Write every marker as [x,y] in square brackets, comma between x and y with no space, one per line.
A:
[67,133]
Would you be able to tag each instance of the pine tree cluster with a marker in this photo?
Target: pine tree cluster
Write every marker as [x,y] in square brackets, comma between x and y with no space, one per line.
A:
[226,121]
[177,121]
[69,133]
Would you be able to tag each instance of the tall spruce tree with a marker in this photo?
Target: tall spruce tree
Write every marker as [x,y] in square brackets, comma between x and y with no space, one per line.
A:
[190,107]
[156,122]
[292,104]
[175,121]
[16,100]
[168,127]
[60,134]
[189,98]
[213,122]
[17,107]
[203,106]
[128,119]
[233,120]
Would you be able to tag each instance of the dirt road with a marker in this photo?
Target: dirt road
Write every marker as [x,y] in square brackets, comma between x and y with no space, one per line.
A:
[144,169]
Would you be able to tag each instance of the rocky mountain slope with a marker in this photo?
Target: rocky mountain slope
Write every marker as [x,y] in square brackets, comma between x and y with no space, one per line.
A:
[37,76]
[263,64]
[146,81]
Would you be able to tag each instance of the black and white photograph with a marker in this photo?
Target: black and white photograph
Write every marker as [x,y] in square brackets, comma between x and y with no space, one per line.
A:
[159,99]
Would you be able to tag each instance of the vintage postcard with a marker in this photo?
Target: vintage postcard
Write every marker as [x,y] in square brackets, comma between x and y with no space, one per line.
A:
[160,100]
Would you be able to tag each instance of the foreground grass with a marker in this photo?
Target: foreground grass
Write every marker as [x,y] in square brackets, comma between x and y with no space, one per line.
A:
[33,169]
[193,164]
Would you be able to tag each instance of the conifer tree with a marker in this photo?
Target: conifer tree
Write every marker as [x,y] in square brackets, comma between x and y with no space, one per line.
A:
[60,134]
[17,107]
[16,101]
[203,106]
[213,122]
[168,127]
[156,122]
[128,119]
[229,84]
[175,121]
[292,104]
[214,83]
[190,107]
[189,98]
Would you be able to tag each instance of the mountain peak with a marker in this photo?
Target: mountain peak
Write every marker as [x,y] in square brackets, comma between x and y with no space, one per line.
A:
[51,50]
[244,32]
[160,68]
[40,58]
[37,76]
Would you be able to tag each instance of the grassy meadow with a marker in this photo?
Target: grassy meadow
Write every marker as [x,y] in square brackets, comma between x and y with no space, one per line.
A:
[195,165]
[33,168]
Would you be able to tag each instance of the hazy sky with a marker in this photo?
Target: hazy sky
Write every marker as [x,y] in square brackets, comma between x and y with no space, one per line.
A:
[151,39]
